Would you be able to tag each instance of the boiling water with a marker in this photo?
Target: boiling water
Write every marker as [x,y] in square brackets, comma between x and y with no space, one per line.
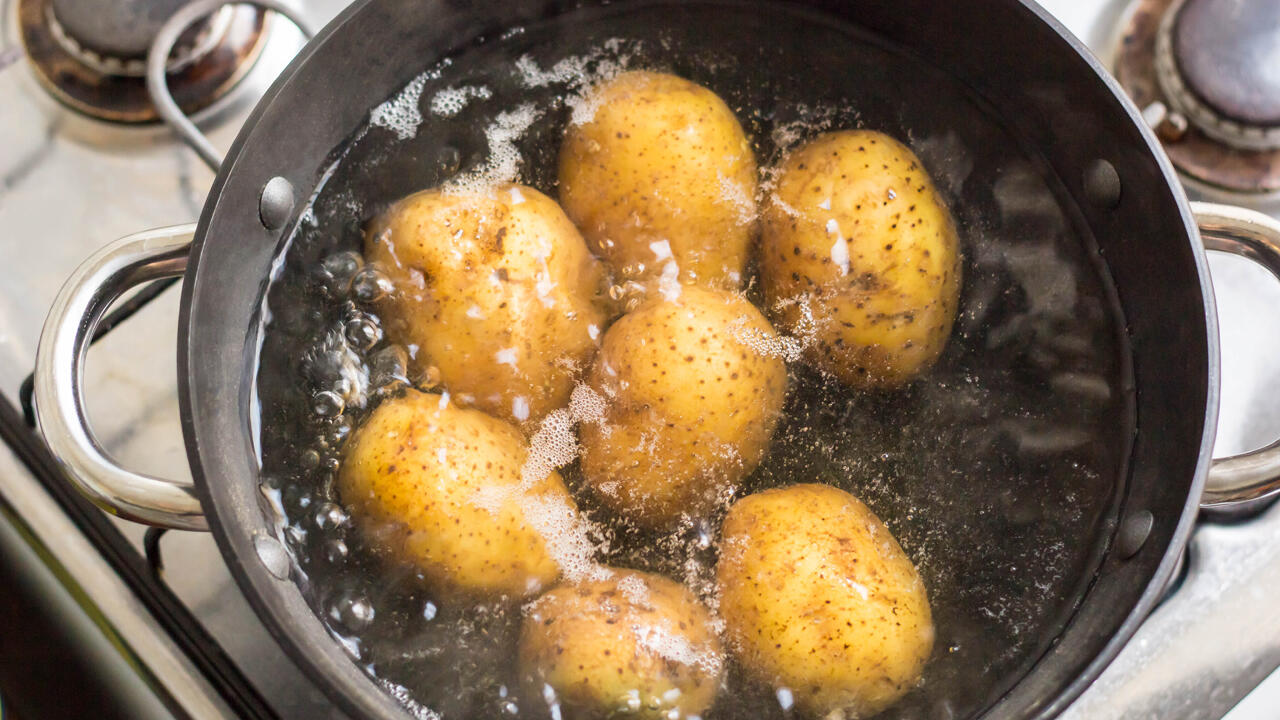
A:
[998,471]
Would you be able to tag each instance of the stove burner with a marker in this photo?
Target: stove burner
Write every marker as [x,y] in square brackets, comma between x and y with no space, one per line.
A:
[1206,74]
[1218,61]
[99,68]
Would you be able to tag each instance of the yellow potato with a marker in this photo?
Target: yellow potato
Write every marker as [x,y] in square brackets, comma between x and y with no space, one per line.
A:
[694,389]
[818,597]
[661,177]
[860,256]
[497,290]
[441,486]
[634,645]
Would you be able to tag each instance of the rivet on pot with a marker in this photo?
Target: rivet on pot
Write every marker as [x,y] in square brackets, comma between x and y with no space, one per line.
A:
[1102,184]
[276,203]
[1133,533]
[273,556]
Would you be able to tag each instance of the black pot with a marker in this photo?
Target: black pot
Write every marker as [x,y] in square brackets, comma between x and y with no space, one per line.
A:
[1038,79]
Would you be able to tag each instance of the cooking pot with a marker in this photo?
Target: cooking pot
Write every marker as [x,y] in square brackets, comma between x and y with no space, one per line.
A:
[1038,79]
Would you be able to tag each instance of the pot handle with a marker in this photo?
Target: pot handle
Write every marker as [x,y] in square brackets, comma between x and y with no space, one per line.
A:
[158,55]
[60,406]
[1241,480]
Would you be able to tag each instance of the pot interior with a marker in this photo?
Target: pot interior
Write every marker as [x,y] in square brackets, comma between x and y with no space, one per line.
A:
[1002,472]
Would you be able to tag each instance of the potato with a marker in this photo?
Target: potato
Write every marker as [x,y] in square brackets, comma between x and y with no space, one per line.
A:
[694,391]
[818,597]
[497,290]
[635,645]
[441,486]
[661,177]
[860,255]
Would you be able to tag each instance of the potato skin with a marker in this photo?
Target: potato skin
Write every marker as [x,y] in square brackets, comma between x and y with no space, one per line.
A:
[818,597]
[497,290]
[692,405]
[888,317]
[595,643]
[662,158]
[421,477]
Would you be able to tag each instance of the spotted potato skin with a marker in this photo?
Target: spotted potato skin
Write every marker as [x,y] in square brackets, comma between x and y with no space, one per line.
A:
[497,290]
[662,158]
[794,564]
[888,318]
[412,476]
[596,642]
[692,405]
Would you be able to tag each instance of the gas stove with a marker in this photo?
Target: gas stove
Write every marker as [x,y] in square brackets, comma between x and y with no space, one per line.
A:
[166,628]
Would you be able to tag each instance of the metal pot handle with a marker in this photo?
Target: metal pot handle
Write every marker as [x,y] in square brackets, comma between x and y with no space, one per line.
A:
[158,57]
[1241,480]
[60,406]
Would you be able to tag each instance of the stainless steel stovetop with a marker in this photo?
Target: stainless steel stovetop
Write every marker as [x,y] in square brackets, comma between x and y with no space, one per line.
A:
[69,185]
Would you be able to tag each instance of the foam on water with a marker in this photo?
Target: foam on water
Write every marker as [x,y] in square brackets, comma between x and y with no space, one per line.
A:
[675,647]
[400,114]
[453,100]
[502,167]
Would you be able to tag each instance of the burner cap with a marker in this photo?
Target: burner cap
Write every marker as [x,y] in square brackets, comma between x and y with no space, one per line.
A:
[1229,54]
[123,28]
[91,54]
[1218,62]
[1206,74]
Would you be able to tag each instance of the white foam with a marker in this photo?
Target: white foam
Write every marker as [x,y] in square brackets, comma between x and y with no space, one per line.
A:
[402,696]
[736,196]
[453,100]
[634,590]
[400,114]
[503,164]
[506,356]
[790,348]
[839,248]
[669,281]
[520,408]
[580,75]
[660,249]
[676,648]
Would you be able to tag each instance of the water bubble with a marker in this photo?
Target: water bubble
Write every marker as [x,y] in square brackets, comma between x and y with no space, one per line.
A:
[336,431]
[335,551]
[388,368]
[510,708]
[363,332]
[310,459]
[330,516]
[331,464]
[337,270]
[448,159]
[353,612]
[327,404]
[370,285]
[429,611]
